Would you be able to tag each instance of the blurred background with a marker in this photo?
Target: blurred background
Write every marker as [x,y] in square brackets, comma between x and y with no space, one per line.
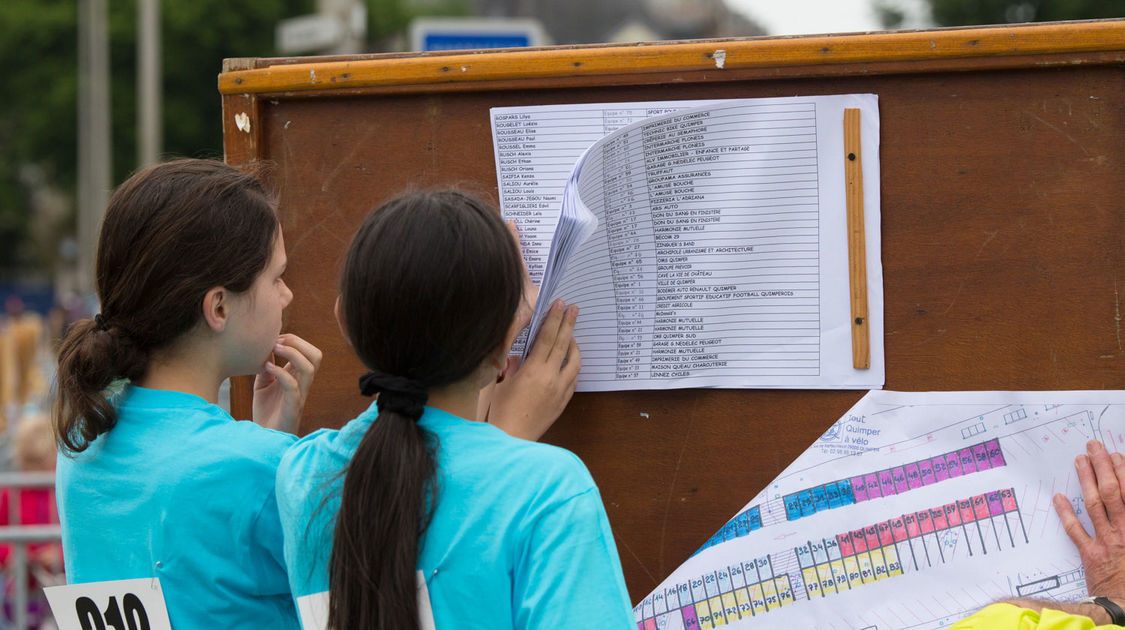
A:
[94,89]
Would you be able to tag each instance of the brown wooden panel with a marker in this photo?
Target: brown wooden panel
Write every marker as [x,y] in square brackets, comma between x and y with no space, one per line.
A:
[1002,255]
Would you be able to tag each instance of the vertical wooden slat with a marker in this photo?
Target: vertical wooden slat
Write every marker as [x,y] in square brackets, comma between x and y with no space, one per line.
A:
[857,246]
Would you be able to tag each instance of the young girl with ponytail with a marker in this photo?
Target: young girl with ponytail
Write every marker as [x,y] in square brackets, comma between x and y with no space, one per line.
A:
[411,515]
[154,479]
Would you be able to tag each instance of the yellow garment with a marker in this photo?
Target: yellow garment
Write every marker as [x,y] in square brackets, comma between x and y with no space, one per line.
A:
[24,333]
[1009,617]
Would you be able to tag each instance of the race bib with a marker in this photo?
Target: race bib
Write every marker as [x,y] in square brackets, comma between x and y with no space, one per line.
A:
[115,605]
[313,609]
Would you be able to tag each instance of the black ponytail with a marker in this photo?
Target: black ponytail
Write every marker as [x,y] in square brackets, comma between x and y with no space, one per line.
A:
[430,287]
[391,474]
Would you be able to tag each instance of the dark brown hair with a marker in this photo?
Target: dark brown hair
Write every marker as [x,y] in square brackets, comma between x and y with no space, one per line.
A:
[430,287]
[171,233]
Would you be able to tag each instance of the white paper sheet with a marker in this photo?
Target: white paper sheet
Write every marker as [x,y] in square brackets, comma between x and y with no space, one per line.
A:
[719,257]
[136,603]
[934,546]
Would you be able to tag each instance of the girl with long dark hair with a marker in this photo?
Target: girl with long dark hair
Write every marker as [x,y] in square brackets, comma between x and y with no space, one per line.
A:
[154,479]
[413,515]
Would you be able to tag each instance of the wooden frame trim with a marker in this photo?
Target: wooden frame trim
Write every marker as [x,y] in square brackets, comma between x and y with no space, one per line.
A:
[263,76]
[242,146]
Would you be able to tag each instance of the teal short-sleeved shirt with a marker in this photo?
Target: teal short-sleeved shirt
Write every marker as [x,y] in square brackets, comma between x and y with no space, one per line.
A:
[519,537]
[180,490]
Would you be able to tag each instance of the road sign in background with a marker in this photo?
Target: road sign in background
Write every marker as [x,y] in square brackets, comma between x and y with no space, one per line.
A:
[475,33]
[330,30]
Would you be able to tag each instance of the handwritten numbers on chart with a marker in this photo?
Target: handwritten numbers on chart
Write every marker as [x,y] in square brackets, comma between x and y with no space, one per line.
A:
[133,617]
[115,605]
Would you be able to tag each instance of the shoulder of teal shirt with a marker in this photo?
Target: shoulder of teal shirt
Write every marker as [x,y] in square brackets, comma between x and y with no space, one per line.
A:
[206,439]
[564,559]
[135,403]
[309,477]
[537,466]
[157,419]
[308,480]
[324,451]
[1005,616]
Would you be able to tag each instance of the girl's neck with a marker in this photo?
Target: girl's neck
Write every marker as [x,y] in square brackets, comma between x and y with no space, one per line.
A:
[459,399]
[181,369]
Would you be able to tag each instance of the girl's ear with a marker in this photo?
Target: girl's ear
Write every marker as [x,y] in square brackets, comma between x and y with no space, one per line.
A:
[216,309]
[498,358]
[343,325]
[489,371]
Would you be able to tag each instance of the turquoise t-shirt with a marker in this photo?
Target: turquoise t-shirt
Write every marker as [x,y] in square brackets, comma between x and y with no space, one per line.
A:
[180,490]
[519,537]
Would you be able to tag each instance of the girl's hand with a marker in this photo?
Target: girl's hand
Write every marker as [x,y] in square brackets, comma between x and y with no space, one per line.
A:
[280,392]
[531,396]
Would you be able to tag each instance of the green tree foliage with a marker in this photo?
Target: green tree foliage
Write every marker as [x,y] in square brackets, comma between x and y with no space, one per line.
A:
[38,113]
[39,60]
[964,12]
[198,35]
[971,12]
[38,119]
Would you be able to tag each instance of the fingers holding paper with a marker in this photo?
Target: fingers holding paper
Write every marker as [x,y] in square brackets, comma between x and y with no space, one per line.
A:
[1103,554]
[534,393]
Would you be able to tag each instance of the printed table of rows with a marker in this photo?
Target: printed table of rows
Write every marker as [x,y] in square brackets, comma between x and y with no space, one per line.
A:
[727,208]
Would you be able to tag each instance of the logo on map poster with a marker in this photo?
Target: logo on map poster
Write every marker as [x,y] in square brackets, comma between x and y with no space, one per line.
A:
[848,436]
[833,433]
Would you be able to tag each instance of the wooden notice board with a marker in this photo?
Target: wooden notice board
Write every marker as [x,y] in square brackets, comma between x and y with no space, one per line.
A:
[1003,179]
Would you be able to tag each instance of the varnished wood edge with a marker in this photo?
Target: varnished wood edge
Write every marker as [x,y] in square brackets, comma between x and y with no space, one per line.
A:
[713,56]
[242,146]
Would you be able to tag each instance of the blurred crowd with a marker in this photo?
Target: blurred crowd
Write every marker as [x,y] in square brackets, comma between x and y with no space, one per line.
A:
[27,354]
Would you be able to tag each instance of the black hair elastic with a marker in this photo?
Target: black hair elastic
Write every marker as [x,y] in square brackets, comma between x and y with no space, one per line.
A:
[99,321]
[400,395]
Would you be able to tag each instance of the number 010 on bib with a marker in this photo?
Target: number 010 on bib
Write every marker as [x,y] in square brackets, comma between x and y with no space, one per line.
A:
[114,605]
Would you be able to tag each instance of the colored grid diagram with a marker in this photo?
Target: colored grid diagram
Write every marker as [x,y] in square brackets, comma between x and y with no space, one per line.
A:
[743,589]
[944,505]
[882,483]
[906,543]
